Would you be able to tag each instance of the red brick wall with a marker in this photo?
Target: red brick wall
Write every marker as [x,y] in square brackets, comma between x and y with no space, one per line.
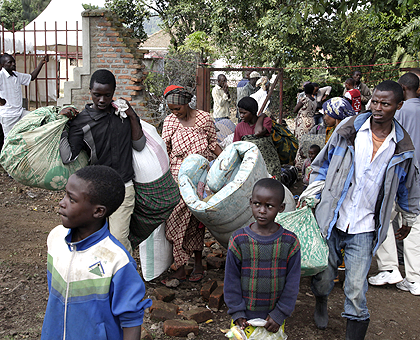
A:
[112,48]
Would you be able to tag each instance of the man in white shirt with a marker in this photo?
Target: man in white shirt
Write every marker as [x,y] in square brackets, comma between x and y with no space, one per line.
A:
[221,99]
[11,110]
[366,166]
[409,117]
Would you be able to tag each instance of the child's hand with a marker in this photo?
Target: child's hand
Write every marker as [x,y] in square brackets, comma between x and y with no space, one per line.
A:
[271,325]
[241,322]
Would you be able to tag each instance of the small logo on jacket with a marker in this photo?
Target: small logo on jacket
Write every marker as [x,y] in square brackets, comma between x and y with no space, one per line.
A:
[97,269]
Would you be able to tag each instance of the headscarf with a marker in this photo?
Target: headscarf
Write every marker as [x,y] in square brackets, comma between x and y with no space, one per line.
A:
[338,108]
[177,95]
[249,104]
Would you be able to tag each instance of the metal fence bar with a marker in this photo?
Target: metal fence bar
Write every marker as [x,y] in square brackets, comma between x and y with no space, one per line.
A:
[25,53]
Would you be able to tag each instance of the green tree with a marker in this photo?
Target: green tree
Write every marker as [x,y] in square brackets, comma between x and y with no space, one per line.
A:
[11,12]
[33,8]
[133,13]
[199,43]
[89,6]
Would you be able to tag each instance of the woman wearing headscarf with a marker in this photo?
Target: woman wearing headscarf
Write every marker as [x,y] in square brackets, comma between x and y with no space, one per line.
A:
[335,110]
[245,131]
[186,131]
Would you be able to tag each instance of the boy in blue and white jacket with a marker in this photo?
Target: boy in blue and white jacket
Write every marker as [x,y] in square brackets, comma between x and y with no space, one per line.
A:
[95,291]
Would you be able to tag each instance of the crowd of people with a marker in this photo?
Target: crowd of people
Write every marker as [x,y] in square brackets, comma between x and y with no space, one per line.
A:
[359,166]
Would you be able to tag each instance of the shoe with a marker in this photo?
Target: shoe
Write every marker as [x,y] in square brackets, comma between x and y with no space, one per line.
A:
[321,312]
[412,287]
[196,277]
[385,277]
[356,330]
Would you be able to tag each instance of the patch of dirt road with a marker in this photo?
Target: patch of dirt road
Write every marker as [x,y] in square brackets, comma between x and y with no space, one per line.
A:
[27,215]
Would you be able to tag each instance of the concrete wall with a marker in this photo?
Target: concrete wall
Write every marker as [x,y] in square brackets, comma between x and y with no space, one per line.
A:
[107,44]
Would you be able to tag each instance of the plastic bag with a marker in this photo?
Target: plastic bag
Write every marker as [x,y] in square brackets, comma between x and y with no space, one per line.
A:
[314,249]
[155,254]
[260,333]
[236,333]
[31,151]
[152,162]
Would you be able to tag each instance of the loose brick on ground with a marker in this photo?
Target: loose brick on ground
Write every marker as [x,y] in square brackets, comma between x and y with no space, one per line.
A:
[180,327]
[207,289]
[164,294]
[200,314]
[216,298]
[157,304]
[215,262]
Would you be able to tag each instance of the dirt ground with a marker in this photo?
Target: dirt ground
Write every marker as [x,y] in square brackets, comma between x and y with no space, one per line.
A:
[26,217]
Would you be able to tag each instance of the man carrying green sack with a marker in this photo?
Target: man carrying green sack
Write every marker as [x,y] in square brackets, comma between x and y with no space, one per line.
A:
[367,164]
[108,131]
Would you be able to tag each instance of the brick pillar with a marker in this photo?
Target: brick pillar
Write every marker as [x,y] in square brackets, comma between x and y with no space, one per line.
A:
[108,44]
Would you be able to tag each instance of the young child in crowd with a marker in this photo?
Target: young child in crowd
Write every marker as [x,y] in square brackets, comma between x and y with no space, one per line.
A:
[353,95]
[306,168]
[263,263]
[95,291]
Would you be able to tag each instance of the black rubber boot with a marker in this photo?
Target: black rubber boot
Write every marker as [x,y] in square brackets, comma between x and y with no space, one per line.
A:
[356,330]
[321,312]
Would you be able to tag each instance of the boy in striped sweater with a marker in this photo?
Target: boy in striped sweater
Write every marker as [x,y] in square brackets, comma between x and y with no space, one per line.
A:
[263,263]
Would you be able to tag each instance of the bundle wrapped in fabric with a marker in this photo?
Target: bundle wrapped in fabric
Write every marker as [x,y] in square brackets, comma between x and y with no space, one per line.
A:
[228,186]
[157,192]
[31,151]
[313,247]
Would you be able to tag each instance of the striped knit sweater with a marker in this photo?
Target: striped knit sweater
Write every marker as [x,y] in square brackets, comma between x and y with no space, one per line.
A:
[262,274]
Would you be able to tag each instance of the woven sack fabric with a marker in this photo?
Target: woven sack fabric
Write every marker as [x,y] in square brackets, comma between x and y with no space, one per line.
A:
[31,151]
[314,249]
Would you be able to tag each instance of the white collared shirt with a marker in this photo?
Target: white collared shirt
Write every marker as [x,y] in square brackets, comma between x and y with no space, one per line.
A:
[221,103]
[10,89]
[358,209]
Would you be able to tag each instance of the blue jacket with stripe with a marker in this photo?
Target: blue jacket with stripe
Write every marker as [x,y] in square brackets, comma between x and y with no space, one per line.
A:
[334,165]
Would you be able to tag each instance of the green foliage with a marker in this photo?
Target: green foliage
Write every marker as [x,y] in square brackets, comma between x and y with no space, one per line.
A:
[33,8]
[199,43]
[89,6]
[133,13]
[21,12]
[11,12]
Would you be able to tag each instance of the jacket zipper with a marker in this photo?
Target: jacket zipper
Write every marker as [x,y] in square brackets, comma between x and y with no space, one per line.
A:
[67,289]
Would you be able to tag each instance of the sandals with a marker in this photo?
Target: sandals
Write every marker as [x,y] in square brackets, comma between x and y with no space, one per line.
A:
[196,277]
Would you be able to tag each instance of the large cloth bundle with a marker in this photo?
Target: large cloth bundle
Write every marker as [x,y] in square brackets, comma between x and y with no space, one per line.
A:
[157,192]
[229,184]
[268,152]
[313,247]
[285,142]
[31,152]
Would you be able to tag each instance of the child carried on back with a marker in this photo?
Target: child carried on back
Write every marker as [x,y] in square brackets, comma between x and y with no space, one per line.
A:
[95,291]
[263,263]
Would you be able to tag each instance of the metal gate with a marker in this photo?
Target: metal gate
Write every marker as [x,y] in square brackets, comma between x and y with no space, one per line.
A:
[32,43]
[203,85]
